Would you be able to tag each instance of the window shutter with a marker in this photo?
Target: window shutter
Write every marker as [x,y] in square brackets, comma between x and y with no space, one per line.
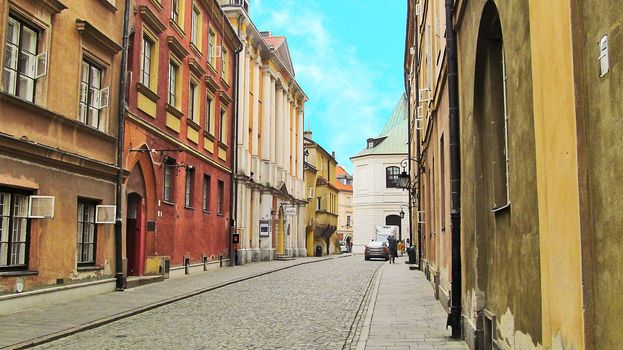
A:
[103,97]
[41,207]
[41,66]
[105,214]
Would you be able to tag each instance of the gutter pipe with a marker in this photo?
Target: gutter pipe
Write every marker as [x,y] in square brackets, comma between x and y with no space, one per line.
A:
[233,194]
[454,317]
[119,276]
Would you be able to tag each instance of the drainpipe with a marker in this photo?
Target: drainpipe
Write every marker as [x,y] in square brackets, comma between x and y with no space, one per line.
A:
[120,278]
[454,317]
[234,181]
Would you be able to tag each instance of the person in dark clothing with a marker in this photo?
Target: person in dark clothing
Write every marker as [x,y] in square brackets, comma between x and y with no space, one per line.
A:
[393,251]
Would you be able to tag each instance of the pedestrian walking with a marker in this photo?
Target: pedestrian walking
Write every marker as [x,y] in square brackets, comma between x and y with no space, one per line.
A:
[393,251]
[407,244]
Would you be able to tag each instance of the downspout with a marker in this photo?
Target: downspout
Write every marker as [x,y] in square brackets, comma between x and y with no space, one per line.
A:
[417,143]
[120,278]
[454,317]
[234,181]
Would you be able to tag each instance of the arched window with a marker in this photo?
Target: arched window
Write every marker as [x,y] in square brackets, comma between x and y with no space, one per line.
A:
[391,176]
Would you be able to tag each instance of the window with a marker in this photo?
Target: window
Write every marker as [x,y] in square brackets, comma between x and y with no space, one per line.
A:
[223,126]
[391,173]
[318,202]
[14,228]
[189,188]
[92,97]
[211,48]
[87,233]
[146,61]
[169,168]
[194,31]
[207,190]
[22,63]
[173,71]
[210,115]
[348,223]
[193,105]
[175,11]
[221,197]
[225,63]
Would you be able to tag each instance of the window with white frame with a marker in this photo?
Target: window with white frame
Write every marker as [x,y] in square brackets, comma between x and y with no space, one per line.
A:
[205,196]
[194,30]
[86,233]
[209,127]
[23,64]
[189,188]
[173,78]
[211,48]
[193,102]
[14,229]
[225,64]
[93,98]
[146,58]
[175,11]
[223,127]
[391,179]
[220,198]
[170,167]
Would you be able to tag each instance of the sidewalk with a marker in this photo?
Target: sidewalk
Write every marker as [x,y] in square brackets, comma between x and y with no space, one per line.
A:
[40,325]
[405,314]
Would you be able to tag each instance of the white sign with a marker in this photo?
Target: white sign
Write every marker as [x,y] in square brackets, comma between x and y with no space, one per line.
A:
[289,210]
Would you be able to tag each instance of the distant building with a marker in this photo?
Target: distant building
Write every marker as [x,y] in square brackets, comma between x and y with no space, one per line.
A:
[344,184]
[322,194]
[376,198]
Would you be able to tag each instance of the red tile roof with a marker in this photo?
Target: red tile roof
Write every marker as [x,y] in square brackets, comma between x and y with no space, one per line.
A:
[340,186]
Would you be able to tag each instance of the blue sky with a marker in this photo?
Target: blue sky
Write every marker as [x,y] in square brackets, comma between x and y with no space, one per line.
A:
[348,58]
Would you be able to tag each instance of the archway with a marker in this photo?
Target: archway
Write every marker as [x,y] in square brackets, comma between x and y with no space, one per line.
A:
[395,221]
[135,235]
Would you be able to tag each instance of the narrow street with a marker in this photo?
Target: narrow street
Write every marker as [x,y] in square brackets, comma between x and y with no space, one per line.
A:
[339,303]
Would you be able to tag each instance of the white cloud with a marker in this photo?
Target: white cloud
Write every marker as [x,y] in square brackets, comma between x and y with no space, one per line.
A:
[347,105]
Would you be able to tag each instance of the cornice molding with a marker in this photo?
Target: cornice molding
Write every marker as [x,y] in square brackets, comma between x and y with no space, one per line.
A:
[55,6]
[178,49]
[89,31]
[151,19]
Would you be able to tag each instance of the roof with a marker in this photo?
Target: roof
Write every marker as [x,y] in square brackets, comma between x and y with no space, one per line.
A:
[280,45]
[340,186]
[394,134]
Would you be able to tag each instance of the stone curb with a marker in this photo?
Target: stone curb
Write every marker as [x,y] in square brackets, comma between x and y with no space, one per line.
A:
[109,319]
[365,331]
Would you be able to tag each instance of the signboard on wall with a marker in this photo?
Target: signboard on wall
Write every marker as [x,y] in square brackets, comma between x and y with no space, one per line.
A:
[264,228]
[289,210]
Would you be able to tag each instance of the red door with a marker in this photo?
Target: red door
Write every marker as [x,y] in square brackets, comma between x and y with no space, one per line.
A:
[135,235]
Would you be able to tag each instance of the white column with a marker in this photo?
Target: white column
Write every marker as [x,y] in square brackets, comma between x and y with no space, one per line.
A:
[273,121]
[247,112]
[241,106]
[278,139]
[266,118]
[301,126]
[256,114]
[287,141]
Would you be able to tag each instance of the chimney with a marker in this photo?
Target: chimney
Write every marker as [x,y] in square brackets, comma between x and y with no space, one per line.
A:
[333,154]
[307,134]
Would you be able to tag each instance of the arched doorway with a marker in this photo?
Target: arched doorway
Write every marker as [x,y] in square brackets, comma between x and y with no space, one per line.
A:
[395,221]
[135,235]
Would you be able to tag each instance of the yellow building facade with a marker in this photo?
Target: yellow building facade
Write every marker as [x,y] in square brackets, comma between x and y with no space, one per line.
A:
[538,87]
[322,207]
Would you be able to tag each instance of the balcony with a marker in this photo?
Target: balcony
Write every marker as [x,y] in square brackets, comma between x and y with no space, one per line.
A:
[240,3]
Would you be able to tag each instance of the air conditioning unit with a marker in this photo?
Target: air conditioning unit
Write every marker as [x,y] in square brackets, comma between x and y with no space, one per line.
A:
[105,214]
[41,207]
[424,95]
[419,123]
[420,217]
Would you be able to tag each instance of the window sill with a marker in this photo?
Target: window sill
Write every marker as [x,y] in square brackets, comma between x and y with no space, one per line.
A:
[108,5]
[220,214]
[209,136]
[173,110]
[189,207]
[193,124]
[501,209]
[177,28]
[211,68]
[90,268]
[196,50]
[18,273]
[223,146]
[149,93]
[168,203]
[206,211]
[156,4]
[225,83]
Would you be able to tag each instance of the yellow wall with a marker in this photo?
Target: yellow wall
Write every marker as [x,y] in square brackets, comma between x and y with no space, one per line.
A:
[557,168]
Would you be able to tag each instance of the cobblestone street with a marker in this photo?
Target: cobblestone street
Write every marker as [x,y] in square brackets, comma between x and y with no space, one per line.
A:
[310,306]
